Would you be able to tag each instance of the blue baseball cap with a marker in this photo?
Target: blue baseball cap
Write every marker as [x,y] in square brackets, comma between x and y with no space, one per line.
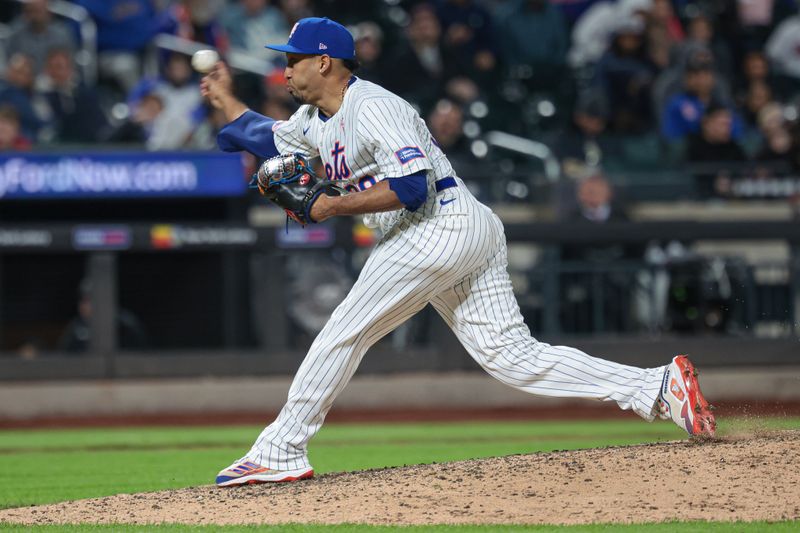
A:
[318,36]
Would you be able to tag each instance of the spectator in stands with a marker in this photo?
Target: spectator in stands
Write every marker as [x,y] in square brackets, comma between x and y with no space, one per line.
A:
[347,12]
[683,112]
[124,29]
[446,123]
[140,123]
[714,142]
[663,14]
[582,148]
[757,75]
[701,33]
[672,81]
[533,35]
[713,151]
[16,90]
[204,136]
[76,337]
[783,47]
[626,75]
[72,107]
[758,96]
[595,204]
[592,33]
[749,23]
[368,38]
[426,66]
[295,10]
[248,24]
[468,34]
[196,20]
[794,151]
[663,33]
[776,150]
[251,23]
[183,106]
[462,90]
[755,69]
[11,137]
[36,33]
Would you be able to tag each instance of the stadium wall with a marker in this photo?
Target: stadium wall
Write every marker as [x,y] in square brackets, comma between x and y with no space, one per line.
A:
[413,391]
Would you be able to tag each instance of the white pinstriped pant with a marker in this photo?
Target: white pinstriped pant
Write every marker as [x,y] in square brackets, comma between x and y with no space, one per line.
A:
[458,264]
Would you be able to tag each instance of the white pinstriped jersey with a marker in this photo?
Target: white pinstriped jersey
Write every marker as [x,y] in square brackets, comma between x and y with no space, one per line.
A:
[374,135]
[457,264]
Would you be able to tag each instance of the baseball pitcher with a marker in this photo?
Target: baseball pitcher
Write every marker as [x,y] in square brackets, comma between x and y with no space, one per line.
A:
[440,246]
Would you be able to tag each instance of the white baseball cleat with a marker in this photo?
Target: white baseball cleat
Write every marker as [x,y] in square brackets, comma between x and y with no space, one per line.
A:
[245,472]
[681,400]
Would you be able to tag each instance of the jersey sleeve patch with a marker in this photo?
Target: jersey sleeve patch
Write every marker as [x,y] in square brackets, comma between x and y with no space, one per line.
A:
[408,153]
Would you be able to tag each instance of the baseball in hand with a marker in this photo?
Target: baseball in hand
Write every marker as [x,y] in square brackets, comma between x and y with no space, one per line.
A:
[203,61]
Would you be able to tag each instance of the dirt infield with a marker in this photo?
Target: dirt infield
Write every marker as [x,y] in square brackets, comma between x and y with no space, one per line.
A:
[736,478]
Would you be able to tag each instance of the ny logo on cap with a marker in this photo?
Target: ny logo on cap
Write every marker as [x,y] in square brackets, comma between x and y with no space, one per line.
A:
[322,46]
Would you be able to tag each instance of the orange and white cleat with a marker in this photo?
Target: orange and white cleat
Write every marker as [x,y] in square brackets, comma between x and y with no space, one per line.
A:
[681,400]
[245,472]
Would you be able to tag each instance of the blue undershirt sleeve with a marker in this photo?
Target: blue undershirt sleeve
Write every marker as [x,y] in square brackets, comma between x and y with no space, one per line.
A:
[412,190]
[252,133]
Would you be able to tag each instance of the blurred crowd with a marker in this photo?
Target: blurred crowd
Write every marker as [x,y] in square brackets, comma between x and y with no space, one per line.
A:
[596,80]
[711,87]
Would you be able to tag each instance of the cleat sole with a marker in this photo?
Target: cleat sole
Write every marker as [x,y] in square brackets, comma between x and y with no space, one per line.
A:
[704,423]
[261,478]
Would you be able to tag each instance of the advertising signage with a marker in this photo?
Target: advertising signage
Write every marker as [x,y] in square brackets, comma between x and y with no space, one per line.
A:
[34,176]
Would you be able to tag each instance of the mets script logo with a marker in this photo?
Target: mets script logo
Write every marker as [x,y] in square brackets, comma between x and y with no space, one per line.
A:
[676,389]
[338,170]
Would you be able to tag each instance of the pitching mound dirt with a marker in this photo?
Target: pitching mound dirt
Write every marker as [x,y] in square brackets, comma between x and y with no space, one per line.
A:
[743,478]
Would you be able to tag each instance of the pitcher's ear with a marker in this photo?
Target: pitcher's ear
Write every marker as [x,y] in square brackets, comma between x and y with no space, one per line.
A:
[325,63]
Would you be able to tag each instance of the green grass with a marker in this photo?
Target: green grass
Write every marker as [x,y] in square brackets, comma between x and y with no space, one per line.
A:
[99,462]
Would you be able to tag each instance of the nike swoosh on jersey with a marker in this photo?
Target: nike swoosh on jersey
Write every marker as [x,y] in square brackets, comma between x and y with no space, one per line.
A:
[445,202]
[306,130]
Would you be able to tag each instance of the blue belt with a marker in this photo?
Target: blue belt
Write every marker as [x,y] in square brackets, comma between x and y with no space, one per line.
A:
[445,183]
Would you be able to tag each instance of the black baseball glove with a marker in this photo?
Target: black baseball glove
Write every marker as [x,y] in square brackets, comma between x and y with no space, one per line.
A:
[289,182]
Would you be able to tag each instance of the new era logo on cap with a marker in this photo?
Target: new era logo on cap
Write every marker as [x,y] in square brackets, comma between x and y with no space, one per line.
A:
[316,36]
